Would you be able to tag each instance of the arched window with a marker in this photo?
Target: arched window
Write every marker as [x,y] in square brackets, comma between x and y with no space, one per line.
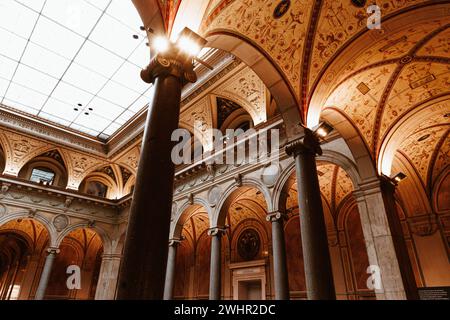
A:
[96,188]
[244,126]
[42,175]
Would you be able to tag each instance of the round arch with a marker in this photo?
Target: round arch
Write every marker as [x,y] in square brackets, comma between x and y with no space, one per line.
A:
[407,123]
[51,230]
[180,215]
[255,58]
[104,237]
[219,216]
[330,156]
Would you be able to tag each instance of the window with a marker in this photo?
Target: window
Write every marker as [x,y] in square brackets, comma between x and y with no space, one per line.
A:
[42,175]
[98,189]
[245,126]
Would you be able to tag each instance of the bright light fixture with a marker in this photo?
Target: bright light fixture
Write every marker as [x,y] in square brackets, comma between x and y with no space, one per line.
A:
[399,177]
[323,129]
[188,46]
[190,43]
[160,44]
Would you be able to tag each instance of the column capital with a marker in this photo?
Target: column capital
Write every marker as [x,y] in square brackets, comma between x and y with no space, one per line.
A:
[170,63]
[276,216]
[374,185]
[308,143]
[53,250]
[216,231]
[175,241]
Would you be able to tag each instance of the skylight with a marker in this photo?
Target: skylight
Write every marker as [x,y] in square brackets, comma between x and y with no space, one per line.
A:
[73,62]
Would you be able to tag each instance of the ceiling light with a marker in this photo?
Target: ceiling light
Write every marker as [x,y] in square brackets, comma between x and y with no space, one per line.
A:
[190,43]
[323,129]
[188,46]
[399,177]
[160,44]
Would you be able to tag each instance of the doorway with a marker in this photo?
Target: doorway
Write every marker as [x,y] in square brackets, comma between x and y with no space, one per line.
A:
[250,290]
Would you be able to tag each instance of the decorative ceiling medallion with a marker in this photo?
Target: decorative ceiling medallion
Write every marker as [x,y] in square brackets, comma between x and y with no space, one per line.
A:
[359,3]
[281,9]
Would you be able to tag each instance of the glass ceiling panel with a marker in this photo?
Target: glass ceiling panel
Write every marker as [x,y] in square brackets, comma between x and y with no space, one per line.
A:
[77,15]
[60,110]
[16,44]
[44,60]
[15,18]
[73,62]
[34,79]
[84,78]
[7,67]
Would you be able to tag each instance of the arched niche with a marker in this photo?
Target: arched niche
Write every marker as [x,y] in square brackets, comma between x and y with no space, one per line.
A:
[48,168]
[81,247]
[22,253]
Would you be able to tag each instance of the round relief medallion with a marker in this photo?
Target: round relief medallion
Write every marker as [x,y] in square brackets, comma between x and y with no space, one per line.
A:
[270,174]
[214,195]
[60,222]
[281,9]
[248,244]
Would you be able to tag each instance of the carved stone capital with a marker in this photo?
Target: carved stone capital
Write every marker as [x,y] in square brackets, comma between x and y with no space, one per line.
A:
[175,242]
[52,250]
[170,64]
[276,216]
[309,143]
[216,231]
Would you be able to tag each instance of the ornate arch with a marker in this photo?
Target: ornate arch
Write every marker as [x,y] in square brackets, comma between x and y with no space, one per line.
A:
[104,236]
[49,227]
[219,216]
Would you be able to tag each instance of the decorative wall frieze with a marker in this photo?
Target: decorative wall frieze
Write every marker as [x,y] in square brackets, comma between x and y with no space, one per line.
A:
[34,198]
[247,90]
[51,134]
[79,166]
[19,149]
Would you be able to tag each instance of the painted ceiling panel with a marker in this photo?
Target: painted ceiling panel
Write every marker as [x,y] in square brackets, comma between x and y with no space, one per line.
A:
[359,96]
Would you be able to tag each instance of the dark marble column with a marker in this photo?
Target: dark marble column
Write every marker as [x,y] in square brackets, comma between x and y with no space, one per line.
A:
[46,272]
[143,268]
[170,272]
[279,256]
[215,276]
[316,256]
